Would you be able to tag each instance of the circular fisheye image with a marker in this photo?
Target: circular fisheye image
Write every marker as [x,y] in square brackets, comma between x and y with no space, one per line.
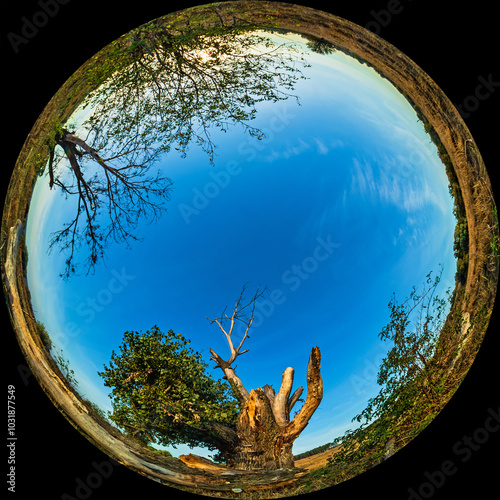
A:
[250,250]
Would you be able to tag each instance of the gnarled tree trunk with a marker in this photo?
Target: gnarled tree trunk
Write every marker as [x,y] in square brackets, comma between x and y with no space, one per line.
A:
[260,443]
[264,433]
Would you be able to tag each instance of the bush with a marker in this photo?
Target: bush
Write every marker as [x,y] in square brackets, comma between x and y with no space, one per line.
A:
[44,335]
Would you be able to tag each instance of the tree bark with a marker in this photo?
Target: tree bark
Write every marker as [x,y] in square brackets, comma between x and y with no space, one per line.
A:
[265,434]
[280,402]
[230,375]
[314,396]
[260,443]
[224,438]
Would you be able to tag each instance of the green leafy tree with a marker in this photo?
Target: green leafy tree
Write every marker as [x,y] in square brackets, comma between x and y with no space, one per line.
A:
[321,46]
[407,371]
[162,393]
[409,378]
[161,88]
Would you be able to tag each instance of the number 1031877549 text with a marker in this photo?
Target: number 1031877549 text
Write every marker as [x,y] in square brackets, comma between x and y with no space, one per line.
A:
[11,437]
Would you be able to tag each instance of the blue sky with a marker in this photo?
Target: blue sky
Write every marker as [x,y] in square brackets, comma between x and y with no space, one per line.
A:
[344,202]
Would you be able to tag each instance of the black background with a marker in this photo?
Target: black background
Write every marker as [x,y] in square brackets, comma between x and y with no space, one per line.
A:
[454,42]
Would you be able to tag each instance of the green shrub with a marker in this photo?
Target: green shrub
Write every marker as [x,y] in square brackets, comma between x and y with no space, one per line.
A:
[44,335]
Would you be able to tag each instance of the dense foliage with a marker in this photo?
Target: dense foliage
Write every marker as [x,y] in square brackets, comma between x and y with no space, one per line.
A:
[173,86]
[161,391]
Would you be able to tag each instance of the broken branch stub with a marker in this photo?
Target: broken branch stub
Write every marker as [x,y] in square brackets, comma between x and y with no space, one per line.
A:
[280,403]
[313,399]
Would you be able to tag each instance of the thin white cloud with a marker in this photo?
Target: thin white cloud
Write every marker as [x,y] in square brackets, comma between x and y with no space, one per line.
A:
[336,143]
[290,151]
[316,145]
[322,149]
[384,183]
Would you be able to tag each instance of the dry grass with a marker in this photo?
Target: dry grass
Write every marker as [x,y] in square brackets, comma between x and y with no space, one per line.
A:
[316,461]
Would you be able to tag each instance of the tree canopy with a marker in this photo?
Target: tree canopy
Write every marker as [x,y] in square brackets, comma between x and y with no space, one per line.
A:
[410,378]
[160,88]
[162,393]
[413,329]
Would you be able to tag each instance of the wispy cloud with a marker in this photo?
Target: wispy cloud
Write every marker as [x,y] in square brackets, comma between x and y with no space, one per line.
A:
[290,151]
[321,147]
[312,145]
[382,181]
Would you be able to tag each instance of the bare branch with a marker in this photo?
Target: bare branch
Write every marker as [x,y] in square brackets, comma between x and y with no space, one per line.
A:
[229,374]
[239,314]
[124,192]
[294,398]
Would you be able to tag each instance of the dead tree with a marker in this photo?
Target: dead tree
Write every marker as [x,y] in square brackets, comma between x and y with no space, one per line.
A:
[264,429]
